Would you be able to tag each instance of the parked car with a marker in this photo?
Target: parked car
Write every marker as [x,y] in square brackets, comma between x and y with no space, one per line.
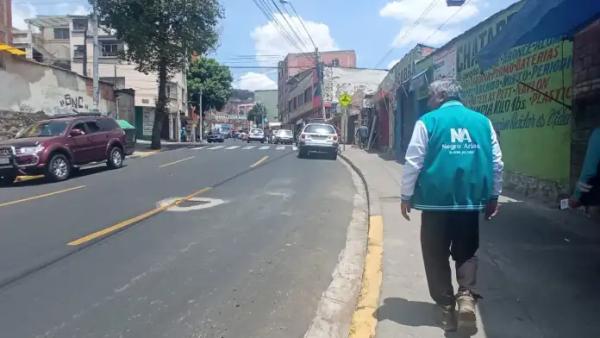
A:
[318,137]
[242,135]
[284,136]
[57,146]
[215,136]
[256,134]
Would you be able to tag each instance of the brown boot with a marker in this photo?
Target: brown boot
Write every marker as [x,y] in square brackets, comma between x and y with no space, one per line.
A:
[448,322]
[467,320]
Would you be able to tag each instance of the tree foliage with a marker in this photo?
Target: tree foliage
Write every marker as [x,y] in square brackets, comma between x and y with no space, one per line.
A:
[160,35]
[257,113]
[242,94]
[213,79]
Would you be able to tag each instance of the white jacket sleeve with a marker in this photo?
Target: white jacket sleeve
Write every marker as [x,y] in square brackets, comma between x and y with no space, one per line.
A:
[415,156]
[497,163]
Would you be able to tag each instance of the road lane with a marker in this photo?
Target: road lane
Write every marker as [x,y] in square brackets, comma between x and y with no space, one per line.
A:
[35,233]
[252,267]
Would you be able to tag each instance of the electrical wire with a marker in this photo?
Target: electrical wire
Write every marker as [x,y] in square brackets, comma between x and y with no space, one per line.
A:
[301,21]
[447,20]
[285,18]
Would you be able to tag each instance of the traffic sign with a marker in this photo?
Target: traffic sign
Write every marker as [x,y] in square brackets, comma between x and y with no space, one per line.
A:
[345,100]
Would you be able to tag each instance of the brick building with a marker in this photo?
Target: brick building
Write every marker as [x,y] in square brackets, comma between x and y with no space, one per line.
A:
[6,21]
[296,67]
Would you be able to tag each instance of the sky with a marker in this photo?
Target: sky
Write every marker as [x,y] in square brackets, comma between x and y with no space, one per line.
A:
[380,31]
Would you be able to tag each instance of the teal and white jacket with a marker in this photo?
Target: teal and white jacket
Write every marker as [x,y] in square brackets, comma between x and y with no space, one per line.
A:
[453,161]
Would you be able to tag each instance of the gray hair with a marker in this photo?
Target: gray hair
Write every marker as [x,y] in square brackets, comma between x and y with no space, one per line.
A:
[449,86]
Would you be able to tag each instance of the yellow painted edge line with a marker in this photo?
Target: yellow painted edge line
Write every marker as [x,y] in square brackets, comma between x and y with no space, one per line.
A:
[364,320]
[27,178]
[40,196]
[175,162]
[259,162]
[133,220]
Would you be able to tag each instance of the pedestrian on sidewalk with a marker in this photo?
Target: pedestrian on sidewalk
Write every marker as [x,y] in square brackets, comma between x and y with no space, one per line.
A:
[587,189]
[453,171]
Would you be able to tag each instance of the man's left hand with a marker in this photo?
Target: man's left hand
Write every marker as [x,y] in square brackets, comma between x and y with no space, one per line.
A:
[491,209]
[405,206]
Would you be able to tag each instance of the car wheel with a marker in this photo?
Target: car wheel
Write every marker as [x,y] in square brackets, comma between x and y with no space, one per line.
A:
[58,168]
[302,153]
[115,158]
[7,179]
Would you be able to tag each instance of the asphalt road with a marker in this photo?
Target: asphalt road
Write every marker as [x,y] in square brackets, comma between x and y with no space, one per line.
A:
[253,266]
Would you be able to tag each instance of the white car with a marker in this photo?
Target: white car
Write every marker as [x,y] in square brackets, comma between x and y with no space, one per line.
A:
[256,134]
[318,137]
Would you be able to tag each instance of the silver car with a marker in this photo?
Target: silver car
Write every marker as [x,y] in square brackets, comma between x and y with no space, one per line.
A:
[283,136]
[318,137]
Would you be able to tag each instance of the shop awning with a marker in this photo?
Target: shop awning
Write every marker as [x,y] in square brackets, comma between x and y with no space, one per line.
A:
[124,124]
[11,50]
[539,20]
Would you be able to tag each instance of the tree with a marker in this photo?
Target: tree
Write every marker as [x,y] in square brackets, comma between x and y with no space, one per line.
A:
[160,35]
[257,113]
[242,94]
[213,79]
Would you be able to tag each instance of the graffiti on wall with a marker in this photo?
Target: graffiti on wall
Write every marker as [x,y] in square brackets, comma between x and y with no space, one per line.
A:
[72,102]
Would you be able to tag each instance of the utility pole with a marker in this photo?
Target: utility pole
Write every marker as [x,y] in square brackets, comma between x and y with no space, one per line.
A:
[320,83]
[96,84]
[201,120]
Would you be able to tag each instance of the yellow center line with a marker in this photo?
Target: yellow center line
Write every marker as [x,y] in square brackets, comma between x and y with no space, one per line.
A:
[40,196]
[133,220]
[175,162]
[259,162]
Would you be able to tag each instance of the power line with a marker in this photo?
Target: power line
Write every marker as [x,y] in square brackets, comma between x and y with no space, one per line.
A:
[447,20]
[408,30]
[292,29]
[301,21]
[276,24]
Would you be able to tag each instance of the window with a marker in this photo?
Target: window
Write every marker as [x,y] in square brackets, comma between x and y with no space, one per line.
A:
[335,62]
[79,51]
[307,95]
[107,124]
[80,25]
[289,105]
[61,33]
[319,129]
[79,126]
[110,48]
[92,127]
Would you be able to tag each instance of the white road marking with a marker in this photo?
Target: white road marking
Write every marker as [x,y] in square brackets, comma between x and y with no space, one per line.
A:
[198,148]
[202,203]
[294,148]
[232,147]
[249,147]
[281,148]
[264,147]
[216,147]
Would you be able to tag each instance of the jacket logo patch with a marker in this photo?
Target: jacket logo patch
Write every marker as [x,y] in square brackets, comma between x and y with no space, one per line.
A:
[460,135]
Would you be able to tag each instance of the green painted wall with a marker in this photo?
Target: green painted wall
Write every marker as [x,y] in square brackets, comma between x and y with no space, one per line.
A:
[269,99]
[535,132]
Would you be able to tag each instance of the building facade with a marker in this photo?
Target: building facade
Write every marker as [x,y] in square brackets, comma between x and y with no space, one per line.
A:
[298,64]
[268,98]
[6,21]
[67,42]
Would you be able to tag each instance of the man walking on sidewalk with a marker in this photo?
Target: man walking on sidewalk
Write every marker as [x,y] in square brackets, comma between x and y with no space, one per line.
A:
[453,171]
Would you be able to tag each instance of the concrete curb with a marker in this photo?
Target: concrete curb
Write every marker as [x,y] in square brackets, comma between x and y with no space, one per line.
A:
[364,319]
[334,311]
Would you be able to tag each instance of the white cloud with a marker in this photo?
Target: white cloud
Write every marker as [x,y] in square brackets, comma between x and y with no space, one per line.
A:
[268,39]
[254,81]
[21,12]
[81,10]
[426,30]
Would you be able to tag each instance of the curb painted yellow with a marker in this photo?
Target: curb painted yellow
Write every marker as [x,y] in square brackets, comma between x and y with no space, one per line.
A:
[364,320]
[142,154]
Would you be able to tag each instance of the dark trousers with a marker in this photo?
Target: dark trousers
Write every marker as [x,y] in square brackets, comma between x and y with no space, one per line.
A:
[444,234]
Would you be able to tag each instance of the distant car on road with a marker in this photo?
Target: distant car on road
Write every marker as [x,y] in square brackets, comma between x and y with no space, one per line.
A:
[57,146]
[215,136]
[284,136]
[256,134]
[318,137]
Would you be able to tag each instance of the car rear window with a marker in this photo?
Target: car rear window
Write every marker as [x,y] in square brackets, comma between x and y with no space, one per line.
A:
[256,131]
[319,129]
[285,132]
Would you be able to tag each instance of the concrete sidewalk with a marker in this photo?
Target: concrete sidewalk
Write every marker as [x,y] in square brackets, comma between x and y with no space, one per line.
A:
[539,268]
